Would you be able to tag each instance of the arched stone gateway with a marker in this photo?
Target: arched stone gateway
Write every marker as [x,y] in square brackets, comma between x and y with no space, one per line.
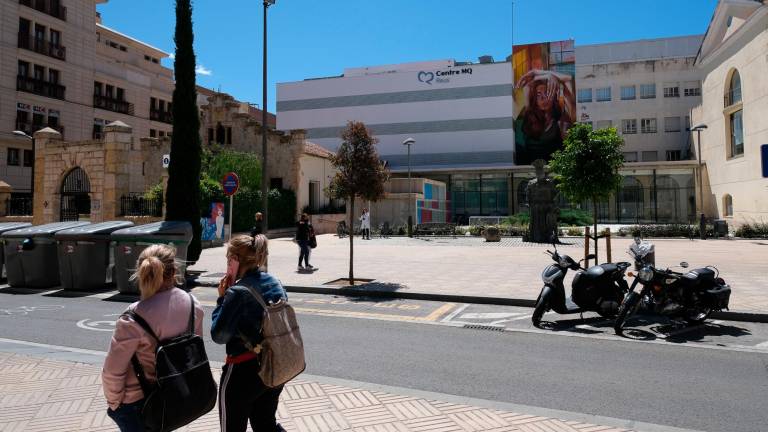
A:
[75,195]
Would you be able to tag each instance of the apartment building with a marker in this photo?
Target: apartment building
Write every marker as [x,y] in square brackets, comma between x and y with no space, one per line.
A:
[63,68]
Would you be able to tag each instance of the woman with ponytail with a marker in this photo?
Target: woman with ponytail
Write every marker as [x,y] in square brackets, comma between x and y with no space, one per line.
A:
[166,310]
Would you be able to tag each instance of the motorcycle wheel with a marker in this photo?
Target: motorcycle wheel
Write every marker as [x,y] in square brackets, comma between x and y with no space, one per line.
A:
[697,316]
[542,304]
[627,308]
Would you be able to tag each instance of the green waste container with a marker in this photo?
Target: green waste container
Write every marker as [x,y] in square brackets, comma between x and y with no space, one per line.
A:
[5,227]
[86,255]
[31,256]
[130,242]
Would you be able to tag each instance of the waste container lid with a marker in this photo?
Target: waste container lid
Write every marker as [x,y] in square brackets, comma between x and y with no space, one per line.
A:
[47,230]
[168,230]
[98,231]
[10,226]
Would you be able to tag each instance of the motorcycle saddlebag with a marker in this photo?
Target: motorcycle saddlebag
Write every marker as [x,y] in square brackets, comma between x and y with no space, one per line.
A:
[719,296]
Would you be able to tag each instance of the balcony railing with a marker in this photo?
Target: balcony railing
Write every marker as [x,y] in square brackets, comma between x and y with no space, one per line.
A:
[50,7]
[133,205]
[39,87]
[27,41]
[161,116]
[31,128]
[112,104]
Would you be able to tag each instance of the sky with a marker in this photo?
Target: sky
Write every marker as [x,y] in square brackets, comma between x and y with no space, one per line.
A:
[314,38]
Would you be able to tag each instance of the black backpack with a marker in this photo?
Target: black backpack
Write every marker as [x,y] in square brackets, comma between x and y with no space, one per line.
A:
[185,389]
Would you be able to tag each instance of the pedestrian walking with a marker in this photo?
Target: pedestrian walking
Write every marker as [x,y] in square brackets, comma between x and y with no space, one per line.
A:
[237,322]
[365,224]
[303,232]
[166,310]
[258,224]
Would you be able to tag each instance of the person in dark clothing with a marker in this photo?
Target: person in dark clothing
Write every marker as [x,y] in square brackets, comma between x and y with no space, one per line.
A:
[258,225]
[303,231]
[237,319]
[703,227]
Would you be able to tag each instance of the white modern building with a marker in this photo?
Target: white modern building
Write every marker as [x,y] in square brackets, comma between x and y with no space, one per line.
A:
[461,116]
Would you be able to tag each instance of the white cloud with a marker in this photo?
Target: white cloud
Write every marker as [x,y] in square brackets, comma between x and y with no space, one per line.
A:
[202,70]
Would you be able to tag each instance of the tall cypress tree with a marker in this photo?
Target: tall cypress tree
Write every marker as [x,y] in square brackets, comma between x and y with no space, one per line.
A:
[183,194]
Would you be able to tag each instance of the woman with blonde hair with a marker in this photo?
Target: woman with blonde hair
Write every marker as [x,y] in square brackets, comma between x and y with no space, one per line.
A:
[236,322]
[166,309]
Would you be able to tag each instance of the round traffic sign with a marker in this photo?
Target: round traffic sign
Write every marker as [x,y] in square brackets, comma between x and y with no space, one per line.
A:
[230,183]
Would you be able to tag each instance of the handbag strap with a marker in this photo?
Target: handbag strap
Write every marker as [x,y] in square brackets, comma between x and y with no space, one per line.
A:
[191,314]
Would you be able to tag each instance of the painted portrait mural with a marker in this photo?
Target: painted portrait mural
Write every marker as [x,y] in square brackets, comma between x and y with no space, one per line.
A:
[545,101]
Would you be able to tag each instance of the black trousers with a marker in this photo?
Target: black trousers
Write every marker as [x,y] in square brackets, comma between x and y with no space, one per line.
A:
[243,397]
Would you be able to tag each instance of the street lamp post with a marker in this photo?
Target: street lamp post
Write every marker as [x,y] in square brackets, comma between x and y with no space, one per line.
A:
[264,172]
[698,129]
[409,142]
[25,135]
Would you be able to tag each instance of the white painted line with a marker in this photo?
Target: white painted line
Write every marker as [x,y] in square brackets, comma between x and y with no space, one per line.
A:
[526,316]
[489,315]
[56,347]
[453,314]
[763,345]
[87,324]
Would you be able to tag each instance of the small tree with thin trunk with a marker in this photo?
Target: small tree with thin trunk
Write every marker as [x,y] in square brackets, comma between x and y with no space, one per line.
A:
[360,174]
[587,167]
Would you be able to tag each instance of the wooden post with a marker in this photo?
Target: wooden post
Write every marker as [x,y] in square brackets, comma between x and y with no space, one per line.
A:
[586,246]
[608,243]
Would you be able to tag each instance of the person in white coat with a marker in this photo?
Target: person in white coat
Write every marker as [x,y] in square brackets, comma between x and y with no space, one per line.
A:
[365,224]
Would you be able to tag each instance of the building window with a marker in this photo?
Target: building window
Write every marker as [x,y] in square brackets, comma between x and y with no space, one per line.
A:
[735,116]
[671,124]
[728,205]
[630,156]
[671,90]
[585,95]
[629,126]
[153,133]
[650,156]
[28,159]
[13,157]
[627,92]
[695,91]
[673,155]
[603,124]
[603,94]
[647,91]
[648,125]
[98,128]
[210,136]
[161,134]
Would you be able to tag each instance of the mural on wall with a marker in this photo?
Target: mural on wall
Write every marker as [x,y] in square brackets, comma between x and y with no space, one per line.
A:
[213,226]
[544,98]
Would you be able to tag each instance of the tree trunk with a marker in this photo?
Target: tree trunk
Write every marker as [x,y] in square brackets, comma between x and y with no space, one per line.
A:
[594,222]
[351,236]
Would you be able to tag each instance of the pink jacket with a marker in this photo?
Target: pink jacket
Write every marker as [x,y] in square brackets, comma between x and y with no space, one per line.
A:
[167,312]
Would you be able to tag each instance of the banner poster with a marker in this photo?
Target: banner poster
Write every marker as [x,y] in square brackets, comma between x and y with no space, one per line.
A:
[213,226]
[544,75]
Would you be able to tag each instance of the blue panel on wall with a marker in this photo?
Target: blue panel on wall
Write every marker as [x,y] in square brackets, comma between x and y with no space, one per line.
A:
[428,191]
[764,157]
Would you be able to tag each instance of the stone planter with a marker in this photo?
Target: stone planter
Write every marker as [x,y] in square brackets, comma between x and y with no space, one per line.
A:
[492,234]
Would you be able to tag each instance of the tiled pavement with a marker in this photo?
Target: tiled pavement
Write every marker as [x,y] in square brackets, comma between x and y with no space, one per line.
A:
[39,394]
[509,269]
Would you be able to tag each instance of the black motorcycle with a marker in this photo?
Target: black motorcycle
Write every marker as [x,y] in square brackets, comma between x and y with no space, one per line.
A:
[599,288]
[693,295]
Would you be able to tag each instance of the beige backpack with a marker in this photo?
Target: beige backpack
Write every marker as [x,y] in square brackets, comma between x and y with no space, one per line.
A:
[281,352]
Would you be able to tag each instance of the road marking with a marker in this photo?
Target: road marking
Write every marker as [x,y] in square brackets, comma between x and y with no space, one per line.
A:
[87,324]
[353,314]
[524,316]
[453,314]
[25,310]
[489,315]
[437,313]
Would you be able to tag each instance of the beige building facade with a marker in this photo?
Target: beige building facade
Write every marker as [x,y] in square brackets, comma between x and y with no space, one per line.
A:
[734,64]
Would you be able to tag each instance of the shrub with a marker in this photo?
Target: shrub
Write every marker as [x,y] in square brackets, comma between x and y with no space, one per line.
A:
[753,230]
[282,206]
[576,232]
[665,230]
[519,219]
[574,217]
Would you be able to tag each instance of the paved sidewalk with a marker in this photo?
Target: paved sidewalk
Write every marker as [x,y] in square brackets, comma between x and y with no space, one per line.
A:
[49,393]
[468,266]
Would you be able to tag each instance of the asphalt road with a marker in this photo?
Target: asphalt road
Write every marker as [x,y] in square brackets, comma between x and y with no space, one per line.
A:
[682,385]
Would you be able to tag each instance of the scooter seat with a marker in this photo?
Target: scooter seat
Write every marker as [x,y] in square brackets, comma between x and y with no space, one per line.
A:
[597,271]
[699,275]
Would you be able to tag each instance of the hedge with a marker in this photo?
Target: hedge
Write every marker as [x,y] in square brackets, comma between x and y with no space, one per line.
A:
[282,207]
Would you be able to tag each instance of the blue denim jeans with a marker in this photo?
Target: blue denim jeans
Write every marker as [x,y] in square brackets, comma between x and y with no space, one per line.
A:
[128,416]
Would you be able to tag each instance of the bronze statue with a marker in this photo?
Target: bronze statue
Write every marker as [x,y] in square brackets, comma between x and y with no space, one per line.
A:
[542,203]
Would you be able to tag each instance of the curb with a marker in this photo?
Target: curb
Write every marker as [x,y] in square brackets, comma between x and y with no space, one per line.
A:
[739,316]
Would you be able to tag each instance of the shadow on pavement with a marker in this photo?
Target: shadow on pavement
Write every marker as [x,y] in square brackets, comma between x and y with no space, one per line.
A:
[123,298]
[77,294]
[22,291]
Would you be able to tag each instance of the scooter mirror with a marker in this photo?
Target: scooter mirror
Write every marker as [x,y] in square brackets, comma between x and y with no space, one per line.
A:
[638,240]
[591,256]
[684,264]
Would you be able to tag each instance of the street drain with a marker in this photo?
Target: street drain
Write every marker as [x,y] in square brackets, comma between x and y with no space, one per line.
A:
[484,327]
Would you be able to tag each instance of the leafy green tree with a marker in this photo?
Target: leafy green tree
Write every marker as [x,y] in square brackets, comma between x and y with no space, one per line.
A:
[217,162]
[587,167]
[183,194]
[360,174]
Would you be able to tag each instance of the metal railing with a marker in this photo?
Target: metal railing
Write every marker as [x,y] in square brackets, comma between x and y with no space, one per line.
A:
[18,206]
[112,104]
[39,87]
[42,46]
[137,205]
[161,116]
[50,7]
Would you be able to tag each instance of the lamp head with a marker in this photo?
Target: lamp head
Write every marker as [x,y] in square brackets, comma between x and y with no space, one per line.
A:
[409,141]
[269,2]
[699,127]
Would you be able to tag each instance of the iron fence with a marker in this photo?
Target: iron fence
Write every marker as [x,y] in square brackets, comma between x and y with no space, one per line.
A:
[136,205]
[20,206]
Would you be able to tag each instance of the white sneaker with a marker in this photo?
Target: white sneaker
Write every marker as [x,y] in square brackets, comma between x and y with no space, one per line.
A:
[301,268]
